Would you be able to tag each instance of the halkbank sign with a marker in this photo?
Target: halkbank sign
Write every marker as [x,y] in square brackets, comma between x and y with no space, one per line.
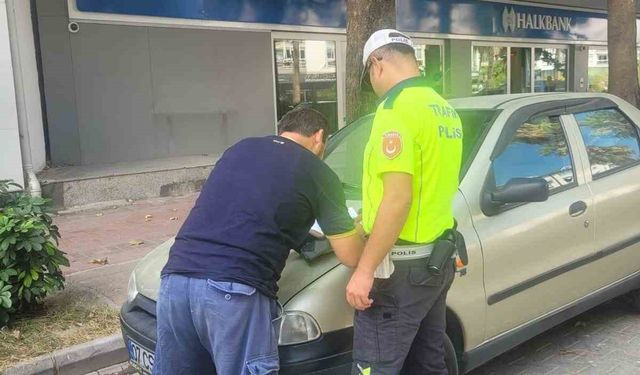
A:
[493,18]
[512,21]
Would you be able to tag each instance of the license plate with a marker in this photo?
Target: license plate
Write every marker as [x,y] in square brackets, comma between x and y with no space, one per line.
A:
[141,357]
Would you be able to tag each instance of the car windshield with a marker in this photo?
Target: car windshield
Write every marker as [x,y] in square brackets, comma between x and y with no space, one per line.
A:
[345,150]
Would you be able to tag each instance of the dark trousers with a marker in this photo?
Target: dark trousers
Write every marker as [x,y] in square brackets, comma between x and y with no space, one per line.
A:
[403,332]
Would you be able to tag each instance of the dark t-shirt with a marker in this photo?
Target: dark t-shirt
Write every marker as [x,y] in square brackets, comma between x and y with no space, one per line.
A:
[259,202]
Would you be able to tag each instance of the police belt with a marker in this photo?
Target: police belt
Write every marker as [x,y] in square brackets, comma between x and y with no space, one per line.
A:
[411,252]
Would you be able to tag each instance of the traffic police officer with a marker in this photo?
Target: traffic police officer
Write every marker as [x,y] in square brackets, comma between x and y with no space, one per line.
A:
[410,176]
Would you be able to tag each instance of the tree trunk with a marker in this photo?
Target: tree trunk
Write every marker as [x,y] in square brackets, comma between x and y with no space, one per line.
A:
[623,68]
[363,18]
[295,78]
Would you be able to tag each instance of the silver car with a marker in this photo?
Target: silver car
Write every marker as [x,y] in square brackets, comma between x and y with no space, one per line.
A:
[549,206]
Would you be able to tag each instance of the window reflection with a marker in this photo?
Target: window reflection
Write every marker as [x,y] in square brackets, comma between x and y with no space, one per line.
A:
[489,70]
[306,74]
[347,158]
[538,149]
[598,69]
[550,70]
[611,140]
[520,70]
[429,59]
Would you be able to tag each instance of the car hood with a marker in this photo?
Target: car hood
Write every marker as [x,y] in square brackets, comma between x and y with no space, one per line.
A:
[297,274]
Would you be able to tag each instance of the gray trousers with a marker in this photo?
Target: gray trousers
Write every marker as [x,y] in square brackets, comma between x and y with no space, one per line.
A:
[403,332]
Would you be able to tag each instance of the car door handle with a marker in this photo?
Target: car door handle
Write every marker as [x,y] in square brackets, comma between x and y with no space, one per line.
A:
[577,208]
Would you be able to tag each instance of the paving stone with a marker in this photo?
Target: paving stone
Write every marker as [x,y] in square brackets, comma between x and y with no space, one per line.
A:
[92,234]
[604,340]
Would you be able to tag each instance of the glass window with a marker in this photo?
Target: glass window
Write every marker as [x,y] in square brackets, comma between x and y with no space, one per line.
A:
[598,69]
[489,70]
[550,70]
[306,74]
[331,54]
[611,140]
[520,70]
[538,149]
[475,122]
[430,63]
[345,152]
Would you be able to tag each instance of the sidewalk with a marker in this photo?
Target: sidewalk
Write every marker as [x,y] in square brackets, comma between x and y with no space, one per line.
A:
[106,233]
[119,235]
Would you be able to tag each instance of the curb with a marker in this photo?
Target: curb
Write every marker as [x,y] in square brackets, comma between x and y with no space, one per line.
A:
[97,206]
[76,360]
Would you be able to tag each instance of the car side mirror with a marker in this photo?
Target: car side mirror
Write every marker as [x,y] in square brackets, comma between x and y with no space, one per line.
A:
[522,190]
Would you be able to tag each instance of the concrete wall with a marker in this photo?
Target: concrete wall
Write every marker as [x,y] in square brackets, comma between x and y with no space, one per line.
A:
[123,93]
[458,62]
[59,87]
[10,157]
[579,71]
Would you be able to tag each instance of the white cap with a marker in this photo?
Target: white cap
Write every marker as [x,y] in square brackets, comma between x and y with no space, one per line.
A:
[379,39]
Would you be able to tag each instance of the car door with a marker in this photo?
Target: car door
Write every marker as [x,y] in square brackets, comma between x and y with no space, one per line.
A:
[526,246]
[611,145]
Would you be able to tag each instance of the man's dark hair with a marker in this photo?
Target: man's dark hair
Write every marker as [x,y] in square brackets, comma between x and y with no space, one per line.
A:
[304,120]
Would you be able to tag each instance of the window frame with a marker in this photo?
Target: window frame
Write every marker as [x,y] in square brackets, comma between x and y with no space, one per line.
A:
[586,149]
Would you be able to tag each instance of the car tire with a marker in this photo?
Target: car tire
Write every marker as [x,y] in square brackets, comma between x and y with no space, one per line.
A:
[450,356]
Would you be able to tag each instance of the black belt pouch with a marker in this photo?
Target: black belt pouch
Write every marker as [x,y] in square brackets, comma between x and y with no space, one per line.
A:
[443,250]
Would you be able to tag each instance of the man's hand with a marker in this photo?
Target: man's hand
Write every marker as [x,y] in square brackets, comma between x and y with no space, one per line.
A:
[358,290]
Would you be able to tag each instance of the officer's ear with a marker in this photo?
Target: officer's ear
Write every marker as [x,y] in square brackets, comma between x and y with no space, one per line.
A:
[376,67]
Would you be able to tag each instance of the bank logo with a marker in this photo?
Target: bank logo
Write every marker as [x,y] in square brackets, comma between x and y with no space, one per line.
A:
[509,20]
[513,21]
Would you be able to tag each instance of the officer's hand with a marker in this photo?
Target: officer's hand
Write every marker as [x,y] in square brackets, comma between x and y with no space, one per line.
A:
[358,290]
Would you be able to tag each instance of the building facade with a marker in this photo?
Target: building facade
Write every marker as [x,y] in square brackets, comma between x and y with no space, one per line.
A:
[137,80]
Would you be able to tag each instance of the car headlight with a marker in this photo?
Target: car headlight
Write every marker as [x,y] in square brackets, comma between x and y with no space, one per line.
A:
[297,327]
[132,289]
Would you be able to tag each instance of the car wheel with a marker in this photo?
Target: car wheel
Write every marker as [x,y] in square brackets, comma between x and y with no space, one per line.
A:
[450,356]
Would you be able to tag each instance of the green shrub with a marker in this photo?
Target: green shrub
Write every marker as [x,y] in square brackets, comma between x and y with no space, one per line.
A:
[30,260]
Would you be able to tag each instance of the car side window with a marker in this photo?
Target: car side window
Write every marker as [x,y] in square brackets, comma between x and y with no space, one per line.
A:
[611,140]
[539,148]
[346,154]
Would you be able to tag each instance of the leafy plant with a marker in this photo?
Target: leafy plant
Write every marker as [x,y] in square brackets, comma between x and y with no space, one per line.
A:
[30,260]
